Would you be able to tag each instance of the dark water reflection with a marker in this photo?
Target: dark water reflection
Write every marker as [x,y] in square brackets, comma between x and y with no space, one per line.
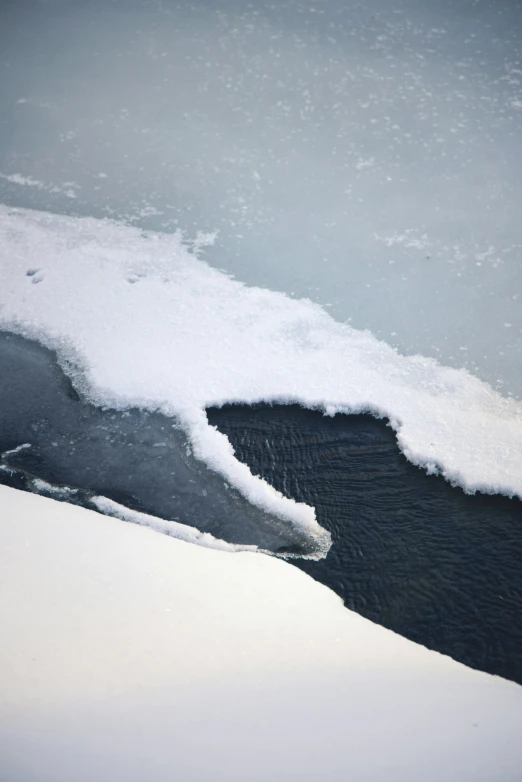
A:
[409,551]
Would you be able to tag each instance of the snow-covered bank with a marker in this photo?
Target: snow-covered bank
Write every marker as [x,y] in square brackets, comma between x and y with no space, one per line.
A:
[129,655]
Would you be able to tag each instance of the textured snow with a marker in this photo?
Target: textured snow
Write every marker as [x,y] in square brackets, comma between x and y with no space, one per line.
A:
[173,528]
[363,154]
[28,181]
[138,320]
[129,656]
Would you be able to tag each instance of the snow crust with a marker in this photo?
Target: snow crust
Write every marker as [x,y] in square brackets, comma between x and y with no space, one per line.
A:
[173,528]
[128,656]
[138,320]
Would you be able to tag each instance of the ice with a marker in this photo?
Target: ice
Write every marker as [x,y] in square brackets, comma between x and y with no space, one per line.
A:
[172,528]
[59,492]
[28,181]
[363,155]
[184,336]
[352,153]
[129,656]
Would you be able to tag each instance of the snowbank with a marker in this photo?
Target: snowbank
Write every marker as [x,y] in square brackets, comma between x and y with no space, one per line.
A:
[127,655]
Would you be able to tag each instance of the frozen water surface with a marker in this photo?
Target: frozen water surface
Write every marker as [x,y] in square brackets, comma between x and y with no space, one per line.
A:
[364,154]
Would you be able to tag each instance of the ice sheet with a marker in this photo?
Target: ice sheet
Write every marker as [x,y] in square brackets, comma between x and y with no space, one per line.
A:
[352,152]
[138,320]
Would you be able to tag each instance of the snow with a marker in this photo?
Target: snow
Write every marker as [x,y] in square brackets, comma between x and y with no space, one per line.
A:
[127,655]
[367,159]
[167,527]
[353,153]
[138,320]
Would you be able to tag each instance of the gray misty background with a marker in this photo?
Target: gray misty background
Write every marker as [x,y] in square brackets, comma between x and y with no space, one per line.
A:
[367,155]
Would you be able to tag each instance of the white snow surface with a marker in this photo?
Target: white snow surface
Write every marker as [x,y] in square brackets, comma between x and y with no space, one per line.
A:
[138,320]
[132,656]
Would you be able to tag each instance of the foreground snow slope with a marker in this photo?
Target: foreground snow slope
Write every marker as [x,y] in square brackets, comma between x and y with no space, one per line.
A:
[128,655]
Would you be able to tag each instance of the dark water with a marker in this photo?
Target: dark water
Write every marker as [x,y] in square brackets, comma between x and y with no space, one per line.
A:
[139,459]
[409,551]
